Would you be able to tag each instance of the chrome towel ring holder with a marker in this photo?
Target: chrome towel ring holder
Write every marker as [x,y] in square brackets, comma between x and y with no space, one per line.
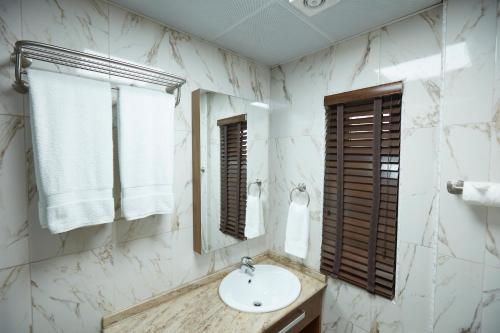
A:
[257,182]
[301,188]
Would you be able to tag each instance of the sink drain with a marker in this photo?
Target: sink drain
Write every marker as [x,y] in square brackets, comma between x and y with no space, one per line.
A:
[257,303]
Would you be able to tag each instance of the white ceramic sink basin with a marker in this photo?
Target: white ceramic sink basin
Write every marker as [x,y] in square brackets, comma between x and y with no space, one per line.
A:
[269,288]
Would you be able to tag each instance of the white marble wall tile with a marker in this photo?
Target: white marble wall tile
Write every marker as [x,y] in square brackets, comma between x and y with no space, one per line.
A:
[418,193]
[13,203]
[411,52]
[410,310]
[464,155]
[492,253]
[353,304]
[74,24]
[491,300]
[150,259]
[417,218]
[419,160]
[496,101]
[71,293]
[341,326]
[458,301]
[136,39]
[15,299]
[469,57]
[10,32]
[298,91]
[356,63]
[216,70]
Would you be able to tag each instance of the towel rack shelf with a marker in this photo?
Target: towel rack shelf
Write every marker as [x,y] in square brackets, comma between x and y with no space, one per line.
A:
[26,51]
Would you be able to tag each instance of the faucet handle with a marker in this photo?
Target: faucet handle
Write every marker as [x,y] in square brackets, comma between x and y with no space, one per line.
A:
[246,260]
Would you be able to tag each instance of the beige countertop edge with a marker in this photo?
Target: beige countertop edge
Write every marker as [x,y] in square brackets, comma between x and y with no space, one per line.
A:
[150,303]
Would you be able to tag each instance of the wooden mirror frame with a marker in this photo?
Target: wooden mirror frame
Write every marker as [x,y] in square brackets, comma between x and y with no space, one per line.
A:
[195,135]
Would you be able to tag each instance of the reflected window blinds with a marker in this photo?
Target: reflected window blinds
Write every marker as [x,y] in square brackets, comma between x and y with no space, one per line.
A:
[233,175]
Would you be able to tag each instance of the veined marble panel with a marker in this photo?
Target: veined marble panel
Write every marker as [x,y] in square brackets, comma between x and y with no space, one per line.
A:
[143,268]
[465,152]
[13,211]
[137,39]
[356,63]
[419,161]
[71,293]
[469,61]
[10,32]
[492,254]
[410,310]
[458,299]
[74,24]
[297,95]
[491,300]
[15,300]
[411,52]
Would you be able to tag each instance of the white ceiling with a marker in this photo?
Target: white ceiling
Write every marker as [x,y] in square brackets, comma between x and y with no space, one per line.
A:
[274,31]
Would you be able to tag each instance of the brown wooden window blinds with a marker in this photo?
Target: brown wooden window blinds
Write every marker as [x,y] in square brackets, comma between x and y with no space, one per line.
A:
[360,205]
[233,175]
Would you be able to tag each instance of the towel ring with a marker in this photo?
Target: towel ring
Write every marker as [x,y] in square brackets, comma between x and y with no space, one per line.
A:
[257,182]
[301,188]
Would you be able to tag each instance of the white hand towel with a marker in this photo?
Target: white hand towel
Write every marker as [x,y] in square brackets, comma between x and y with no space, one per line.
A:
[482,193]
[71,121]
[297,230]
[145,151]
[254,220]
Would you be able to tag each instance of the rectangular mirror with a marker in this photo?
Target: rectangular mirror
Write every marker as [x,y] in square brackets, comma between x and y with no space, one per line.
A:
[230,169]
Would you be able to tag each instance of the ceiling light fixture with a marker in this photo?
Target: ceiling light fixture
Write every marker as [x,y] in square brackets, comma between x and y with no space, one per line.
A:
[313,3]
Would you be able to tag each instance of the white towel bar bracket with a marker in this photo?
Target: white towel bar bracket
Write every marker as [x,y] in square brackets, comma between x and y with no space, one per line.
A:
[26,51]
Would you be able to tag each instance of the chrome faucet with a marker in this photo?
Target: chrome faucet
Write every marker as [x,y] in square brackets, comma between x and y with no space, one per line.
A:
[247,266]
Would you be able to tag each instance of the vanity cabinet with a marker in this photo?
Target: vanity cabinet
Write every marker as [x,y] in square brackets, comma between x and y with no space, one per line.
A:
[306,318]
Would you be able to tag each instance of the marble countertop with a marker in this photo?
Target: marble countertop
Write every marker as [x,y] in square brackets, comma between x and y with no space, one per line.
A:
[196,307]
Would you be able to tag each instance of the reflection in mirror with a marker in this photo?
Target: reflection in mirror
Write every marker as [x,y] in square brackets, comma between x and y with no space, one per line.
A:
[230,169]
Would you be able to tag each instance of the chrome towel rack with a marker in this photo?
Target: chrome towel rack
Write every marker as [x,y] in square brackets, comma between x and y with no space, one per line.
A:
[301,188]
[25,51]
[257,182]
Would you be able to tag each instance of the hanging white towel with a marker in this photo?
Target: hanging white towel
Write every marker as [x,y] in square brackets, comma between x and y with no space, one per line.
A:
[254,220]
[71,121]
[482,193]
[145,151]
[297,230]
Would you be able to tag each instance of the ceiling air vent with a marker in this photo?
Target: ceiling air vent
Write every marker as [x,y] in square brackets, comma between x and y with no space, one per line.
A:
[312,7]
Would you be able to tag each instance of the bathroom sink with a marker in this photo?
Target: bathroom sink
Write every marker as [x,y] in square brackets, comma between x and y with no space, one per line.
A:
[268,288]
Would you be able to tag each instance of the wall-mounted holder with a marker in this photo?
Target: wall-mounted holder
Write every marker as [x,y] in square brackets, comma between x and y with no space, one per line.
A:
[257,182]
[455,186]
[301,188]
[25,51]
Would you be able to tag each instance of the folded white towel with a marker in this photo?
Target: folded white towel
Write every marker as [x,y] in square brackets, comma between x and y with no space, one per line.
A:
[145,151]
[71,121]
[254,221]
[297,230]
[482,193]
